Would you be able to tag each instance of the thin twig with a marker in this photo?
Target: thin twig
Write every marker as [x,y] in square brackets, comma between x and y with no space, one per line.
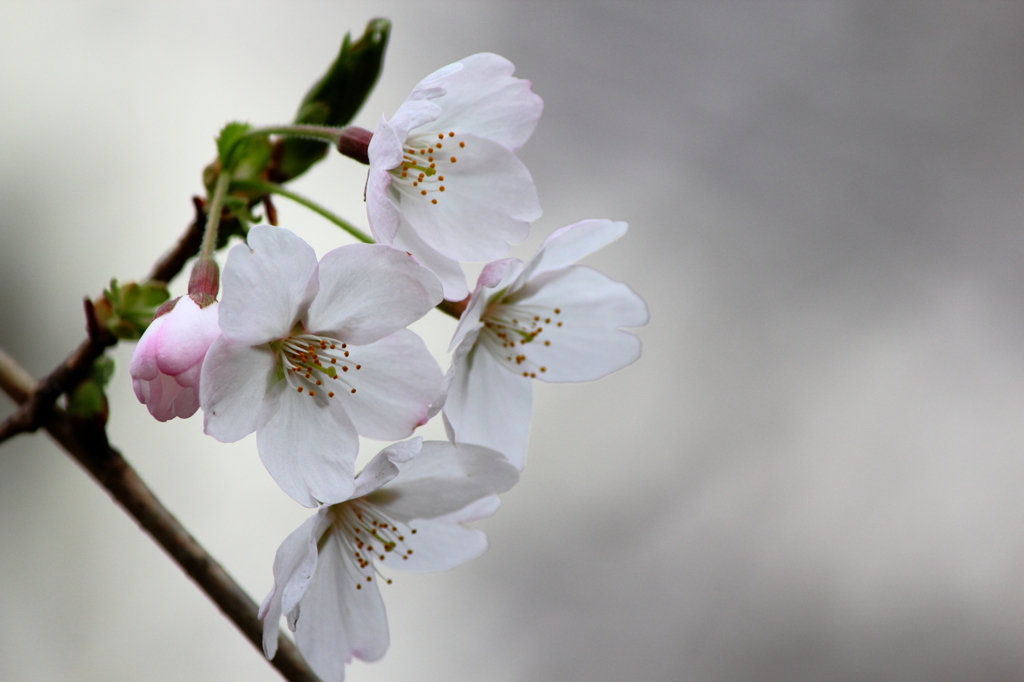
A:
[19,422]
[15,381]
[66,376]
[20,385]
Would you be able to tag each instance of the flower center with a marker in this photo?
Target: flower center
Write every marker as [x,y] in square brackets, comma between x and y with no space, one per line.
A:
[425,157]
[509,330]
[318,366]
[366,534]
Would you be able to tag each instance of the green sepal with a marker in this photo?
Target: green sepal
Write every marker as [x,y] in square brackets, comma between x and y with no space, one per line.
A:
[88,400]
[228,140]
[127,309]
[335,99]
[244,156]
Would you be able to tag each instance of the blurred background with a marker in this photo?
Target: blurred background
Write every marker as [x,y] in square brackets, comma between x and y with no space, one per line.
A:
[816,471]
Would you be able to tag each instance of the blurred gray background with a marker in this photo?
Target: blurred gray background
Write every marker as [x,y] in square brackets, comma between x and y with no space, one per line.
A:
[816,471]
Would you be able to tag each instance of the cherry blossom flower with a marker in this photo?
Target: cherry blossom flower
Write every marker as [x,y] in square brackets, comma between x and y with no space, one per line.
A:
[165,365]
[444,181]
[406,512]
[548,320]
[313,354]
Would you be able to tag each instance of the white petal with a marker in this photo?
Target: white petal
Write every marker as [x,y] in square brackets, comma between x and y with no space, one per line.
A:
[430,87]
[382,468]
[490,277]
[488,202]
[444,478]
[417,109]
[235,378]
[308,445]
[589,344]
[438,404]
[494,273]
[438,546]
[446,269]
[489,405]
[303,555]
[485,99]
[294,565]
[267,285]
[481,509]
[396,382]
[368,291]
[385,148]
[338,621]
[382,212]
[385,153]
[568,244]
[414,112]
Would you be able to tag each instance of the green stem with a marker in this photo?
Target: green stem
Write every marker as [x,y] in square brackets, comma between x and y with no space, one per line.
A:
[322,133]
[213,215]
[274,188]
[325,133]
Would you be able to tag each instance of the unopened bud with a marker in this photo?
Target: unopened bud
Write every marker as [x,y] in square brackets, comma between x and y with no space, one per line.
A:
[204,282]
[354,143]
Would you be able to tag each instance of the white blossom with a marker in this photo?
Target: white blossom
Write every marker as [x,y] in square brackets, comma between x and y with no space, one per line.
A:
[313,354]
[445,183]
[547,319]
[406,512]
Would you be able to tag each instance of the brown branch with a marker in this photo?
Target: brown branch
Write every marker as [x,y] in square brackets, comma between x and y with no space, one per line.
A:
[171,263]
[113,472]
[86,442]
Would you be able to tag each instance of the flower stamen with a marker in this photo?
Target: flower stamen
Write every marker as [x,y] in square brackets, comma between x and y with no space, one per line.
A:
[504,335]
[367,535]
[424,177]
[307,360]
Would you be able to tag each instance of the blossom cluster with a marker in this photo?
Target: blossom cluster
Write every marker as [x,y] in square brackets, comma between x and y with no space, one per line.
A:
[310,354]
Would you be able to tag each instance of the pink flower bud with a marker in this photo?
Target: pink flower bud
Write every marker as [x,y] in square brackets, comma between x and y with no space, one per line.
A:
[166,364]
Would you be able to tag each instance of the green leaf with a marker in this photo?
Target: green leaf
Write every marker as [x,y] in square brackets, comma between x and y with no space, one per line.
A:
[87,400]
[130,307]
[335,99]
[102,370]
